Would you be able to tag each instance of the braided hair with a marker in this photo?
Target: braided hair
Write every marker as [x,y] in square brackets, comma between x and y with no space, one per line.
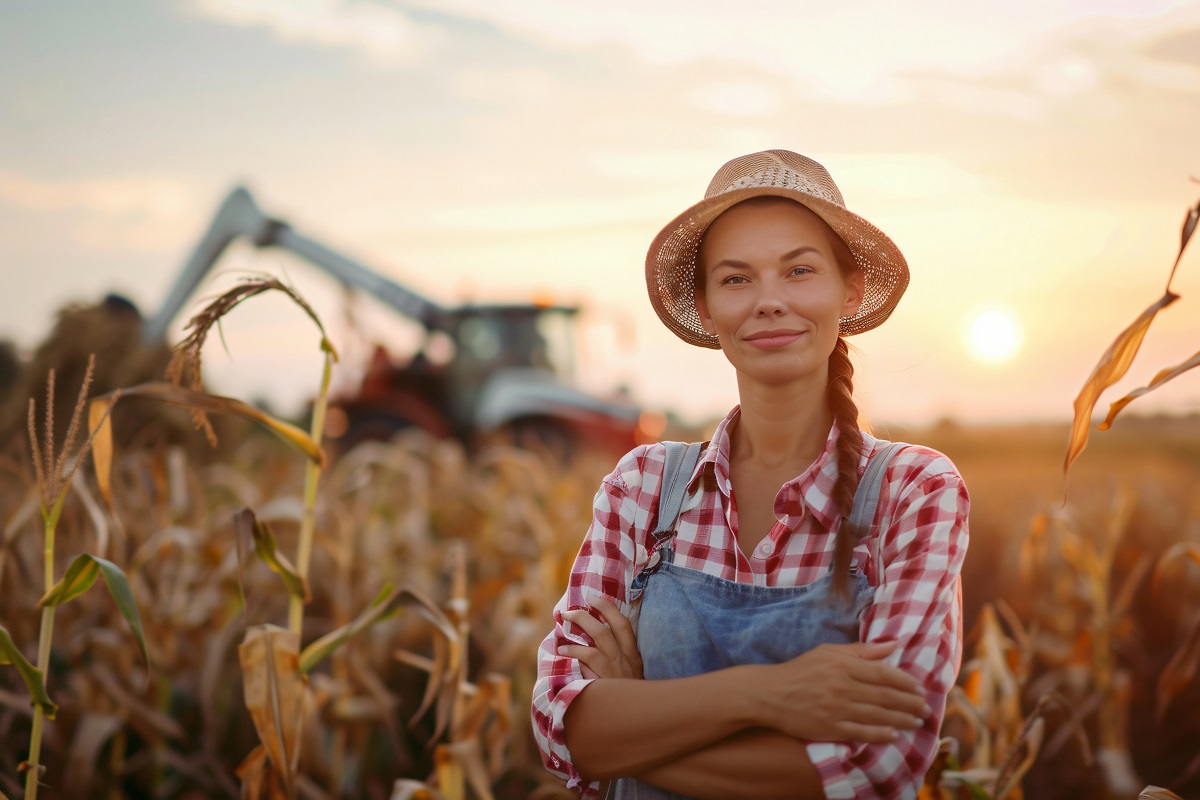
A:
[839,397]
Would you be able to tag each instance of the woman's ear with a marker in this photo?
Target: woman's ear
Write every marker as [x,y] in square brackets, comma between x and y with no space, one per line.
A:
[855,287]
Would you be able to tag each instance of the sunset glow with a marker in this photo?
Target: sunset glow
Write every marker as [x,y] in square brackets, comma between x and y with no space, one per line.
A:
[993,336]
[505,151]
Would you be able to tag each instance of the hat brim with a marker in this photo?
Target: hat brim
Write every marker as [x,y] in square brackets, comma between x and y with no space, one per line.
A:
[671,262]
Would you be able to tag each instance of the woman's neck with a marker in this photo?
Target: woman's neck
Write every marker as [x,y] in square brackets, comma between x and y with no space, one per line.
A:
[782,426]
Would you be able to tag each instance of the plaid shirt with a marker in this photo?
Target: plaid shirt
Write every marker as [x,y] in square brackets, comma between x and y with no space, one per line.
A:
[917,600]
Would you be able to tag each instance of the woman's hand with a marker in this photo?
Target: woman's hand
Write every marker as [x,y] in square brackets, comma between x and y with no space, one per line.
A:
[615,654]
[843,692]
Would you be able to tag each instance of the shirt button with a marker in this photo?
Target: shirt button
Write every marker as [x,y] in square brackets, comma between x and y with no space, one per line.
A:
[766,548]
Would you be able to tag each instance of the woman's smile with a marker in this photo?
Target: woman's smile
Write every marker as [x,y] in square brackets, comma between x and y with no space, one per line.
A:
[773,339]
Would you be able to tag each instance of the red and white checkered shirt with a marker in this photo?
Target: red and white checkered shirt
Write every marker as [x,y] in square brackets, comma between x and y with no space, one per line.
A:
[917,600]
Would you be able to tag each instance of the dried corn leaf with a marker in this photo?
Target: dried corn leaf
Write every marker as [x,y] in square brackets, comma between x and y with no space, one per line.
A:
[1020,758]
[497,734]
[1180,671]
[80,576]
[34,680]
[275,695]
[248,528]
[216,404]
[437,669]
[1167,560]
[451,779]
[1158,793]
[468,756]
[100,425]
[407,789]
[260,781]
[1111,368]
[1185,235]
[388,602]
[1166,375]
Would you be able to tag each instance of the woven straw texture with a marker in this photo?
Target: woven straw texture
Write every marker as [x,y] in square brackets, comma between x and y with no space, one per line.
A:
[671,261]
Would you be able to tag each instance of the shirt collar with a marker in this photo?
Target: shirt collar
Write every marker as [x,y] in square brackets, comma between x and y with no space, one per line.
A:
[809,492]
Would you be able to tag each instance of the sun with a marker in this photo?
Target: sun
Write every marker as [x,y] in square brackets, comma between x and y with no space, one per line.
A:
[993,335]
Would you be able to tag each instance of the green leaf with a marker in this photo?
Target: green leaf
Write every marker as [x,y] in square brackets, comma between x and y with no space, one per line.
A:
[80,576]
[246,528]
[35,681]
[387,603]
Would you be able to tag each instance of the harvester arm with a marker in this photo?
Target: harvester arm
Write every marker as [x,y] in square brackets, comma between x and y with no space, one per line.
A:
[240,216]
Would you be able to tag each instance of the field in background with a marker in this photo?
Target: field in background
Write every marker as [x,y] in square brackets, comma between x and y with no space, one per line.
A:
[1089,611]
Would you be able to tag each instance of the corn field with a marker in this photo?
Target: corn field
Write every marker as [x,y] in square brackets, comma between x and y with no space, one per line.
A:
[429,580]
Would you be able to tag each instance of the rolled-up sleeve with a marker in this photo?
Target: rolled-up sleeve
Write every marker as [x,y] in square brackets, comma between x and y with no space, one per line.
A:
[918,604]
[604,566]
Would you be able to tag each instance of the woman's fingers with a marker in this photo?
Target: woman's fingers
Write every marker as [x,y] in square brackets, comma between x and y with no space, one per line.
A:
[619,625]
[846,692]
[600,633]
[870,734]
[614,652]
[592,662]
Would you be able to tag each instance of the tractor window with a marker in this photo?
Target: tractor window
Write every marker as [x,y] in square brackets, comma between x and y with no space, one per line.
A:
[482,338]
[556,330]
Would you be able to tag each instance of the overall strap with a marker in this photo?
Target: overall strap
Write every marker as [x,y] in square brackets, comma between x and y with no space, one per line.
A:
[866,499]
[681,460]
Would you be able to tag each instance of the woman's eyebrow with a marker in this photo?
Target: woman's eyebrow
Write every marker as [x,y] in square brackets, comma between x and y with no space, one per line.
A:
[799,251]
[733,263]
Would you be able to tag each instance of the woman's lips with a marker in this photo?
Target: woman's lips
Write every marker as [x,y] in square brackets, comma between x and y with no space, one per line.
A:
[770,340]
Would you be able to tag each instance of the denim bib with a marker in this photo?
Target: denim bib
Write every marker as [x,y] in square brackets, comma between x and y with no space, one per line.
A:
[691,622]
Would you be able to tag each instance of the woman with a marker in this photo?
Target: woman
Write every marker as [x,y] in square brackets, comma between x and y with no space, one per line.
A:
[780,650]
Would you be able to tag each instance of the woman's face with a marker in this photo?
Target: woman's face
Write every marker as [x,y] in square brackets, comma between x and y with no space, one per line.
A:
[772,290]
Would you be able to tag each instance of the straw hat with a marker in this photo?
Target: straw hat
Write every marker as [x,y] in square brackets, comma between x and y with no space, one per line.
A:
[671,262]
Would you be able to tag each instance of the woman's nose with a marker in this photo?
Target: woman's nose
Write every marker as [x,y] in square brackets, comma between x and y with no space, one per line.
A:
[768,303]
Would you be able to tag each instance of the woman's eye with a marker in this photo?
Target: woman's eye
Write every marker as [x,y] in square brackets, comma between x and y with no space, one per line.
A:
[734,279]
[800,270]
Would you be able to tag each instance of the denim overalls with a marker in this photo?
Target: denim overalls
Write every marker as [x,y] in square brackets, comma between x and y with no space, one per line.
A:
[691,622]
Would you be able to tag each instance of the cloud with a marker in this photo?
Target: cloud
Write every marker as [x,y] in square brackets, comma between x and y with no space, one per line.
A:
[383,33]
[860,53]
[139,213]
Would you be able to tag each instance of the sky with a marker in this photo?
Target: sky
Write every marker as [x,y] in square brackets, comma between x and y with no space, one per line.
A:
[1033,159]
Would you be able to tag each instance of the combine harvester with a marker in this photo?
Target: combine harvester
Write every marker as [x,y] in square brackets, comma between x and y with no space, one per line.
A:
[506,374]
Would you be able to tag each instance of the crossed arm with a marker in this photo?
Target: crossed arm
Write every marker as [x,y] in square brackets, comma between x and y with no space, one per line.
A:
[755,728]
[720,734]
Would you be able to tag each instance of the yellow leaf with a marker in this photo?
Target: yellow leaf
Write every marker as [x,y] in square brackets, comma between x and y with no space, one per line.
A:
[100,426]
[1112,367]
[216,404]
[1168,374]
[450,776]
[275,694]
[1158,793]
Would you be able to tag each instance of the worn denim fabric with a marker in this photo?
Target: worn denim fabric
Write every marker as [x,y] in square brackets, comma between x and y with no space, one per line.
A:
[691,622]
